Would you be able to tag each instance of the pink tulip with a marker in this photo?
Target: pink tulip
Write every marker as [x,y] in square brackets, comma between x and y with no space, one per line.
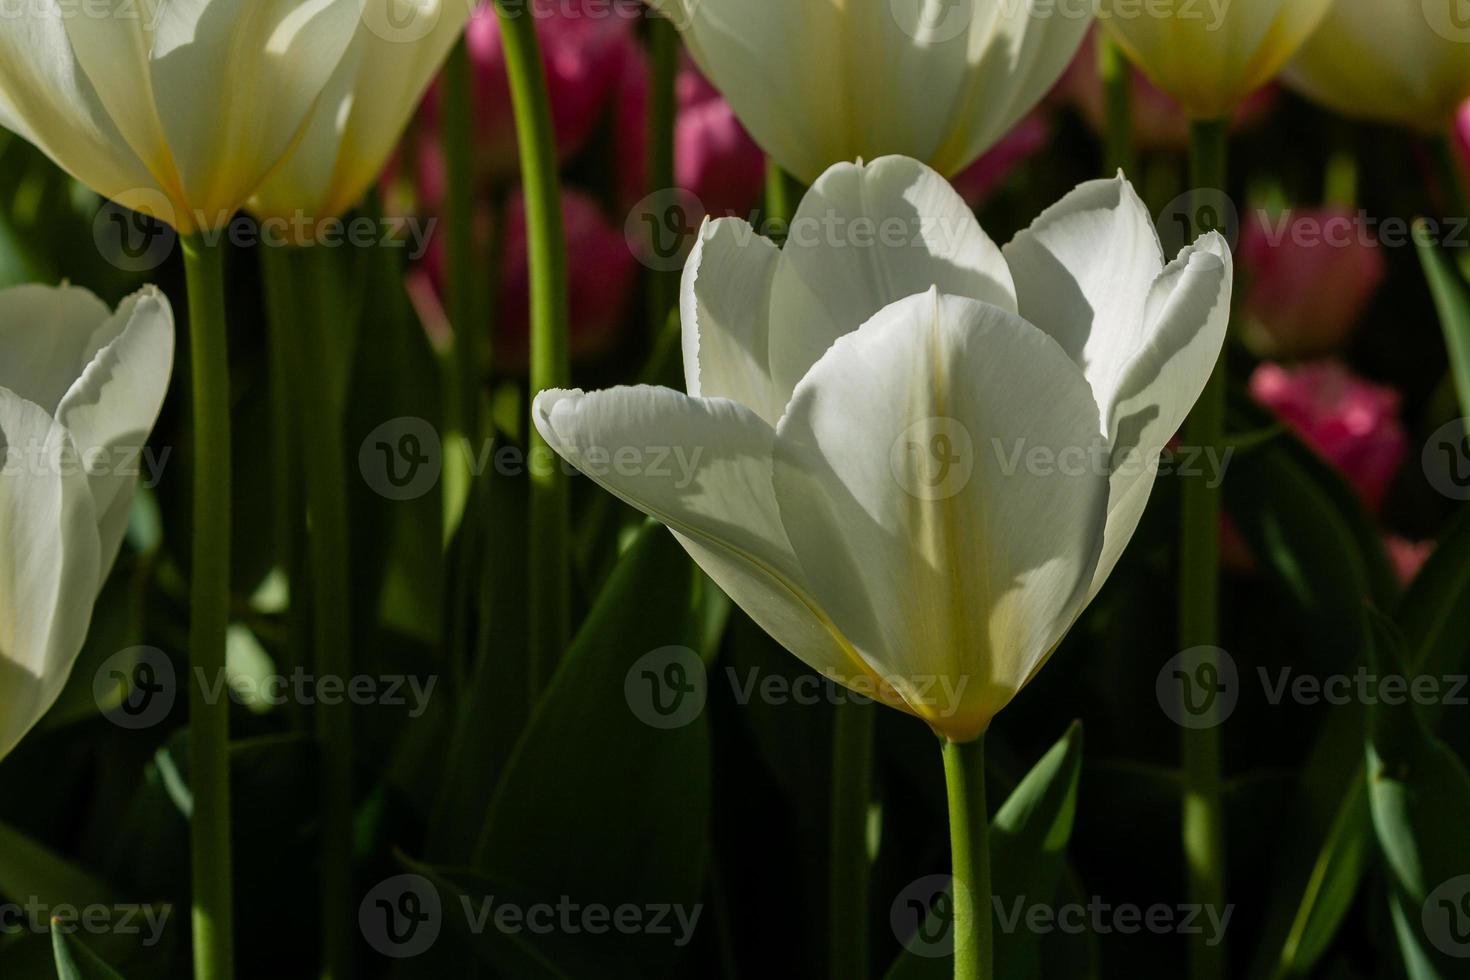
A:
[1408,557]
[1353,423]
[604,274]
[714,158]
[1158,122]
[586,44]
[1309,274]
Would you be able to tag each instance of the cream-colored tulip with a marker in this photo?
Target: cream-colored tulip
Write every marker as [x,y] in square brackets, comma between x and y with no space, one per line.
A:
[80,389]
[1403,62]
[1211,54]
[818,82]
[363,111]
[177,108]
[856,462]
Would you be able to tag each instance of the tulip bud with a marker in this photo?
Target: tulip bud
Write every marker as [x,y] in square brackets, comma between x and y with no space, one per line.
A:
[816,83]
[177,110]
[1402,63]
[1210,58]
[80,389]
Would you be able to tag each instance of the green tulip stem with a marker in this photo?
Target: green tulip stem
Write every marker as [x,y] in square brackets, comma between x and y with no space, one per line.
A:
[1199,603]
[663,41]
[969,847]
[209,613]
[550,570]
[847,881]
[1117,79]
[298,278]
[464,272]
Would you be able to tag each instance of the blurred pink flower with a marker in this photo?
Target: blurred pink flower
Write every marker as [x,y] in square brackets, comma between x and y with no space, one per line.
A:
[1408,557]
[1158,122]
[981,179]
[714,158]
[586,44]
[1353,423]
[1308,276]
[604,274]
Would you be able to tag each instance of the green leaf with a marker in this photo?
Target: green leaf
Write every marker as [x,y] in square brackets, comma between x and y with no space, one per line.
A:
[621,789]
[29,869]
[1311,531]
[1419,790]
[1452,299]
[1028,841]
[74,961]
[1326,843]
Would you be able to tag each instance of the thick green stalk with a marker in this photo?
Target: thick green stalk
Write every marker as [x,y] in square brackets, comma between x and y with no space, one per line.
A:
[209,614]
[969,846]
[1199,608]
[664,54]
[464,272]
[550,568]
[1117,79]
[297,276]
[847,880]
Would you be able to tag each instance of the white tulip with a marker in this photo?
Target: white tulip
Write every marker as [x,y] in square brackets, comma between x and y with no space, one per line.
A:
[911,458]
[1404,63]
[822,81]
[177,108]
[80,390]
[363,111]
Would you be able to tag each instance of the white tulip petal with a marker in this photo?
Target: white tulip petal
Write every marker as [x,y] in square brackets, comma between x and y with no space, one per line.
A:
[112,406]
[49,563]
[1083,272]
[909,493]
[702,467]
[780,66]
[113,40]
[234,80]
[48,99]
[361,114]
[864,237]
[724,311]
[1013,60]
[1185,322]
[49,334]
